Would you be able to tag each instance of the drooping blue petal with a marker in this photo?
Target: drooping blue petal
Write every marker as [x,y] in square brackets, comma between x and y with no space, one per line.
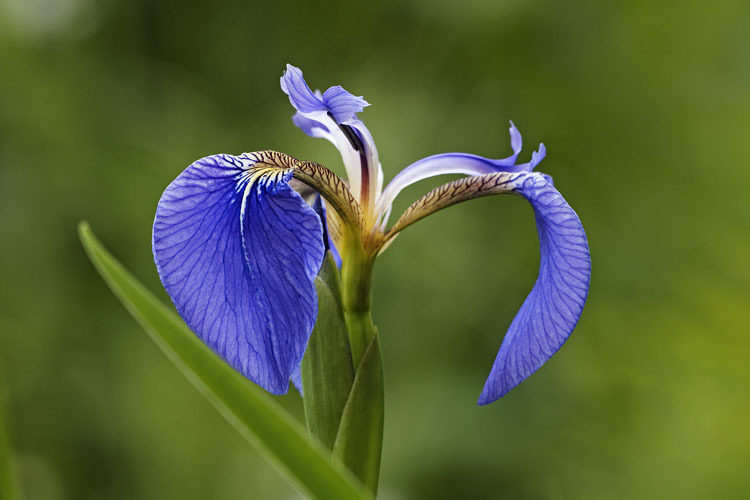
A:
[455,163]
[238,251]
[554,305]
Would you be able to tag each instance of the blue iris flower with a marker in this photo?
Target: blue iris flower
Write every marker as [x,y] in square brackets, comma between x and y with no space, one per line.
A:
[238,248]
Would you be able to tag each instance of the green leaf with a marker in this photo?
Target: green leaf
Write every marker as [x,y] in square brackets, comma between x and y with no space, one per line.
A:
[8,484]
[245,405]
[360,437]
[327,369]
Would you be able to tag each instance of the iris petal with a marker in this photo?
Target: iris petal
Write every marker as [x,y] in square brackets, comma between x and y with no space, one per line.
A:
[238,251]
[552,308]
[311,127]
[554,305]
[343,105]
[323,114]
[300,95]
[455,163]
[313,117]
[536,158]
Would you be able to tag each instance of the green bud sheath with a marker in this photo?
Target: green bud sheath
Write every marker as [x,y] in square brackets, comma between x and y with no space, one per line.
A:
[327,368]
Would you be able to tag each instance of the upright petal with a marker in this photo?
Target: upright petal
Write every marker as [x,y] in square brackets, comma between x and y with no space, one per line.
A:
[342,105]
[332,115]
[536,158]
[237,250]
[552,308]
[300,95]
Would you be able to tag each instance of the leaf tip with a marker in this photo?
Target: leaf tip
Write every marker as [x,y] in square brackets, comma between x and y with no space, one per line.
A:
[84,229]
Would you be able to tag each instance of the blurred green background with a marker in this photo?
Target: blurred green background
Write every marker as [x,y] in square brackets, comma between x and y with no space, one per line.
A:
[645,110]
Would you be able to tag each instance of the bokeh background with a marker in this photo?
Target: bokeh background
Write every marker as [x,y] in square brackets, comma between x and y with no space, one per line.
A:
[645,111]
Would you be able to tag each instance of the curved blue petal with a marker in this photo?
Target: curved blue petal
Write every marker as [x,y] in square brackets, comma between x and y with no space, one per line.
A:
[536,158]
[300,95]
[551,310]
[343,105]
[456,163]
[238,254]
[336,100]
[332,115]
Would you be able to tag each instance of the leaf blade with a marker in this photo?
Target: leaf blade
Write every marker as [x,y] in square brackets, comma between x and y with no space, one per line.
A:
[247,407]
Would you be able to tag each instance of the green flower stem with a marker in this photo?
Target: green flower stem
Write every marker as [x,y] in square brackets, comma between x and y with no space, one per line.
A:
[356,279]
[361,329]
[359,441]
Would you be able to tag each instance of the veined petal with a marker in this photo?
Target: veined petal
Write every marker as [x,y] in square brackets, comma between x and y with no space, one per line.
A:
[312,127]
[343,105]
[283,242]
[300,95]
[237,250]
[554,305]
[333,190]
[332,115]
[313,117]
[454,163]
